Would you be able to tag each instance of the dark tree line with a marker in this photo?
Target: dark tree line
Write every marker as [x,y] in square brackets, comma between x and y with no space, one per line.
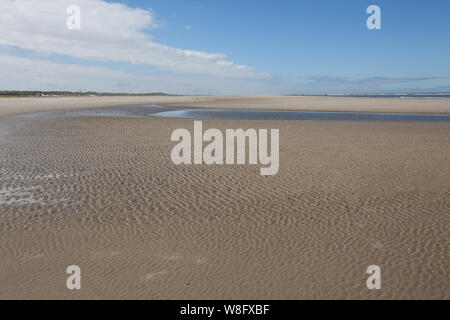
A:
[70,93]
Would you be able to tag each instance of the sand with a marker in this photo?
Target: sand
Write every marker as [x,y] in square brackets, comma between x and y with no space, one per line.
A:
[103,194]
[9,106]
[331,104]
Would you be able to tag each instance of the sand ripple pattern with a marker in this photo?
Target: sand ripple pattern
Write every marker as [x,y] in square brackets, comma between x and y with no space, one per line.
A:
[102,193]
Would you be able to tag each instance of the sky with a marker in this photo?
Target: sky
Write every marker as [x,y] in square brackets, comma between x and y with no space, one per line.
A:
[225,47]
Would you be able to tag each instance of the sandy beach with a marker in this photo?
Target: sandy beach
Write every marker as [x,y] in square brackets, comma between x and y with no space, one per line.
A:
[9,106]
[102,193]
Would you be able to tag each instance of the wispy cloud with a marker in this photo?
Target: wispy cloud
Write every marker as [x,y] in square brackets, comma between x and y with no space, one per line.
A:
[38,74]
[109,32]
[365,81]
[318,83]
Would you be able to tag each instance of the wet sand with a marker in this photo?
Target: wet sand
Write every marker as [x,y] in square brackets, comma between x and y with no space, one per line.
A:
[10,106]
[103,193]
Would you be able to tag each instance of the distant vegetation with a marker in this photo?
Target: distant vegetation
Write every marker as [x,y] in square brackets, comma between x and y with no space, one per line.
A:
[73,94]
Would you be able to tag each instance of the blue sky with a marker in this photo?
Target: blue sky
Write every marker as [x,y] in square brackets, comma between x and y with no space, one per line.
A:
[298,38]
[289,46]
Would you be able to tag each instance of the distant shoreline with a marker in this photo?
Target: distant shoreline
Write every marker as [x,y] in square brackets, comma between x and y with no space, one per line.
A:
[37,93]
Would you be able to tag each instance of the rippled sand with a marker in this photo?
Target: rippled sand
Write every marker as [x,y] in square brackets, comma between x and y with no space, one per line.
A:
[102,193]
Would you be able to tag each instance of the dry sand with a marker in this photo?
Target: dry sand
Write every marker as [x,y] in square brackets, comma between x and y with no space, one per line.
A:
[10,106]
[102,193]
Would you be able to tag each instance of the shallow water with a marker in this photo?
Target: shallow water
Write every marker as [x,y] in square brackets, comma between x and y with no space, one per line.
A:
[235,114]
[299,115]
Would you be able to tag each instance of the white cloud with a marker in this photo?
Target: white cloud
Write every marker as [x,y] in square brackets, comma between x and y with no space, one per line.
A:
[36,74]
[188,27]
[109,32]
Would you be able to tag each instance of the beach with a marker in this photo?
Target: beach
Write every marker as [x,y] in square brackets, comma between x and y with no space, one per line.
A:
[103,194]
[9,106]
